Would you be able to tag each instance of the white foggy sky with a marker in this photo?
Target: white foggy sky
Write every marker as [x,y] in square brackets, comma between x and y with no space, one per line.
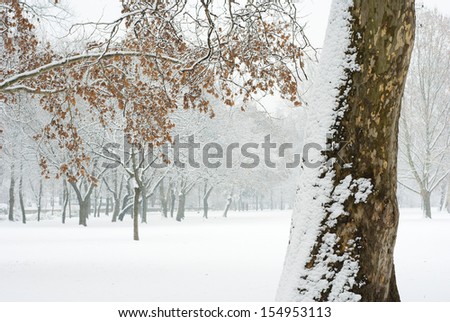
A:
[314,13]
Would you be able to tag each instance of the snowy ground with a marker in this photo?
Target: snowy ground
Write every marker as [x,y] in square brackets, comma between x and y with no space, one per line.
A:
[221,259]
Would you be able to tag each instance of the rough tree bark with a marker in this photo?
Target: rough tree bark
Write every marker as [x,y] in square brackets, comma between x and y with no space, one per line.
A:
[341,246]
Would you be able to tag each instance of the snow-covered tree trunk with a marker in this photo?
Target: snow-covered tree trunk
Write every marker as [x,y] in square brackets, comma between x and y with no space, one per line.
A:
[345,219]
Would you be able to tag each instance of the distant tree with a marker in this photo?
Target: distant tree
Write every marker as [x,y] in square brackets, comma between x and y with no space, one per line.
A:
[424,130]
[172,56]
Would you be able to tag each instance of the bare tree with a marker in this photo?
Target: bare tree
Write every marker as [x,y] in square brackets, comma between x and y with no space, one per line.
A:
[425,135]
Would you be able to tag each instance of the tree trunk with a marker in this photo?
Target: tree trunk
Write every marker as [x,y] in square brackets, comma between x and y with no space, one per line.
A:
[137,193]
[271,199]
[172,202]
[70,204]
[99,208]
[240,202]
[52,201]
[116,193]
[207,192]
[227,206]
[65,201]
[83,202]
[107,206]
[85,208]
[447,201]
[12,184]
[181,206]
[39,201]
[95,204]
[281,200]
[163,199]
[21,201]
[89,203]
[447,198]
[426,203]
[116,209]
[125,207]
[144,205]
[345,220]
[205,207]
[152,200]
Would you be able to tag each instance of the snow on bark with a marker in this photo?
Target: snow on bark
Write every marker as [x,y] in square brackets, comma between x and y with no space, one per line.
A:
[319,200]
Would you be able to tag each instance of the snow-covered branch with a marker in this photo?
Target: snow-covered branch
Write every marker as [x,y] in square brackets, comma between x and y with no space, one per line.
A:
[6,84]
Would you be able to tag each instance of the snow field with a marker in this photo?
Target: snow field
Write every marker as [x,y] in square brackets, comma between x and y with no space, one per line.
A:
[239,258]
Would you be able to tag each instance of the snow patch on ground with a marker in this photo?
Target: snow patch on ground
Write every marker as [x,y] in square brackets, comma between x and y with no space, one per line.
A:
[239,258]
